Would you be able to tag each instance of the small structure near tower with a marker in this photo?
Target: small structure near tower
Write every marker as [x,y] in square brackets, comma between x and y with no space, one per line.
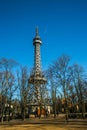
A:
[37,78]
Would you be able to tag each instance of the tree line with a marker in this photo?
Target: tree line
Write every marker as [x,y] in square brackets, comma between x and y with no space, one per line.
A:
[65,90]
[68,82]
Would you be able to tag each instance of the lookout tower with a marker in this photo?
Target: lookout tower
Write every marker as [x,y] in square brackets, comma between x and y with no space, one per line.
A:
[37,78]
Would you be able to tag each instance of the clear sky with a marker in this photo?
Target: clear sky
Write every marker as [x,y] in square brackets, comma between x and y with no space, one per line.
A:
[62,28]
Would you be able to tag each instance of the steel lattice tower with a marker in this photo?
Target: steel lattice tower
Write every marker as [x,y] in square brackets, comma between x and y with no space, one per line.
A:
[37,78]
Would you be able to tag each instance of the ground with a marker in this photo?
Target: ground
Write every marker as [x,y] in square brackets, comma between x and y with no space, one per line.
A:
[45,124]
[41,127]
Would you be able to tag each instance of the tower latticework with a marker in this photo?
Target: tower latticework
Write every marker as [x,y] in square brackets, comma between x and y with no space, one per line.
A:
[37,78]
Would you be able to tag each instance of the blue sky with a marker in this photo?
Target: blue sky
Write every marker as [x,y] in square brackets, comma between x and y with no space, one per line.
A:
[62,28]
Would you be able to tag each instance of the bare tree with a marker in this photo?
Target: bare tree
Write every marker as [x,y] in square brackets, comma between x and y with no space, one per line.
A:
[60,77]
[78,81]
[6,82]
[24,89]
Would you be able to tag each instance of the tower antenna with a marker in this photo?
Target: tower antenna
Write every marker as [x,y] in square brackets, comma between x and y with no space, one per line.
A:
[37,34]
